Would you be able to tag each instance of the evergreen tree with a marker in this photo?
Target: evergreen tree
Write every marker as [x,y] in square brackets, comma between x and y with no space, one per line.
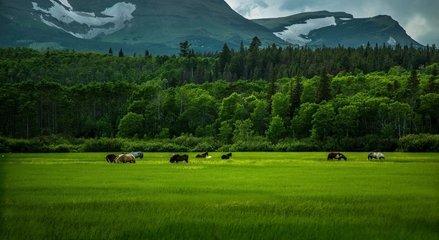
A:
[110,52]
[227,74]
[255,44]
[185,49]
[295,95]
[147,54]
[323,88]
[224,57]
[121,53]
[412,87]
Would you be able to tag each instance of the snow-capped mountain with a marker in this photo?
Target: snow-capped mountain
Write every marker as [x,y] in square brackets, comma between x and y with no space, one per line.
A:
[61,15]
[134,25]
[160,25]
[337,28]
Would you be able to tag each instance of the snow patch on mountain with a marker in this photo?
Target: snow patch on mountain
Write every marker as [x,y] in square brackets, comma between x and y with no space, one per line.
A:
[391,41]
[66,4]
[62,14]
[297,33]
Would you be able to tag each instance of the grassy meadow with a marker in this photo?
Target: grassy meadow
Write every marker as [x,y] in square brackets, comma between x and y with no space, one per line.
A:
[252,196]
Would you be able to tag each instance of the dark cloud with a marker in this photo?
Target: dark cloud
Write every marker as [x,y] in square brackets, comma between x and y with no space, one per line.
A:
[418,17]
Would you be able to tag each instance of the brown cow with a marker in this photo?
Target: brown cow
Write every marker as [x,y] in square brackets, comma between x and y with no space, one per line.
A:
[126,158]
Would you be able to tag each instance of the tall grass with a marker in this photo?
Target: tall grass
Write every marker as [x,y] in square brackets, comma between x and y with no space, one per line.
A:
[252,196]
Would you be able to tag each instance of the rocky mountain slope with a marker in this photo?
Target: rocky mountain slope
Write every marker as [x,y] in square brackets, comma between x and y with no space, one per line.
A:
[160,25]
[337,28]
[136,25]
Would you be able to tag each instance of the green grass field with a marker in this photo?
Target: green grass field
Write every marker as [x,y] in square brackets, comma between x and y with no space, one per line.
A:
[253,196]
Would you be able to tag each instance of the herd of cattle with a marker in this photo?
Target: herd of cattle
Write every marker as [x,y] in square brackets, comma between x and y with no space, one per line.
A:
[340,156]
[176,158]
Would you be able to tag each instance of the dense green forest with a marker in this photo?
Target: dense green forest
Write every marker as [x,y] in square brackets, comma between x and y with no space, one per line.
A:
[337,97]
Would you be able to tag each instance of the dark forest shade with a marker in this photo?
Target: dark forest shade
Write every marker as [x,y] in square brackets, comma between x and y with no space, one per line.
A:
[95,95]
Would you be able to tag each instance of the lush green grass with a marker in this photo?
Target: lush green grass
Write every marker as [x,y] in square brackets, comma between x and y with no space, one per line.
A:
[255,195]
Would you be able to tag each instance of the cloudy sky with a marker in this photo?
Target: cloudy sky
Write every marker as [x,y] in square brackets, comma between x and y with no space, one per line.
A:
[420,18]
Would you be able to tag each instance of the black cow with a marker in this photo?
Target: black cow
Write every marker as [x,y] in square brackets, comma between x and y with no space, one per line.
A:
[337,156]
[202,155]
[111,158]
[176,158]
[226,156]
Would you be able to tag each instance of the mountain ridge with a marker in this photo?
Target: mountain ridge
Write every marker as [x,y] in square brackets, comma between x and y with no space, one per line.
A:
[160,25]
[343,29]
[156,25]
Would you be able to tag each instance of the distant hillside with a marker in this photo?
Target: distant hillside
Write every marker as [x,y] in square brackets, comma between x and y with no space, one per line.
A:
[136,25]
[337,28]
[160,25]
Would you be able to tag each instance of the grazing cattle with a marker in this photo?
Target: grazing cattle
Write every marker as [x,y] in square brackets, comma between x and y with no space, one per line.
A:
[126,158]
[137,154]
[111,158]
[337,156]
[176,158]
[202,155]
[375,155]
[226,156]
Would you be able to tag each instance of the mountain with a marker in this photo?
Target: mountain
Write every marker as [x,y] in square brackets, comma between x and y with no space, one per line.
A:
[135,25]
[160,25]
[331,29]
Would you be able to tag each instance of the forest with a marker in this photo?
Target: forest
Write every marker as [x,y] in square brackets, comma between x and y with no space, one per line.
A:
[254,98]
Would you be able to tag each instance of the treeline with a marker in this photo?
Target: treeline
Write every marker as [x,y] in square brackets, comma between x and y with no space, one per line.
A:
[354,111]
[188,143]
[247,63]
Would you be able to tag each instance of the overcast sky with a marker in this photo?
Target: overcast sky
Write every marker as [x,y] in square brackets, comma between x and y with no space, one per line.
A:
[420,18]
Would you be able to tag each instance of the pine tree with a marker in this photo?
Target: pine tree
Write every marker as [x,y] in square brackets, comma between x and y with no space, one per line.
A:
[185,49]
[412,88]
[255,44]
[323,88]
[413,83]
[121,53]
[147,54]
[224,57]
[110,52]
[295,95]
